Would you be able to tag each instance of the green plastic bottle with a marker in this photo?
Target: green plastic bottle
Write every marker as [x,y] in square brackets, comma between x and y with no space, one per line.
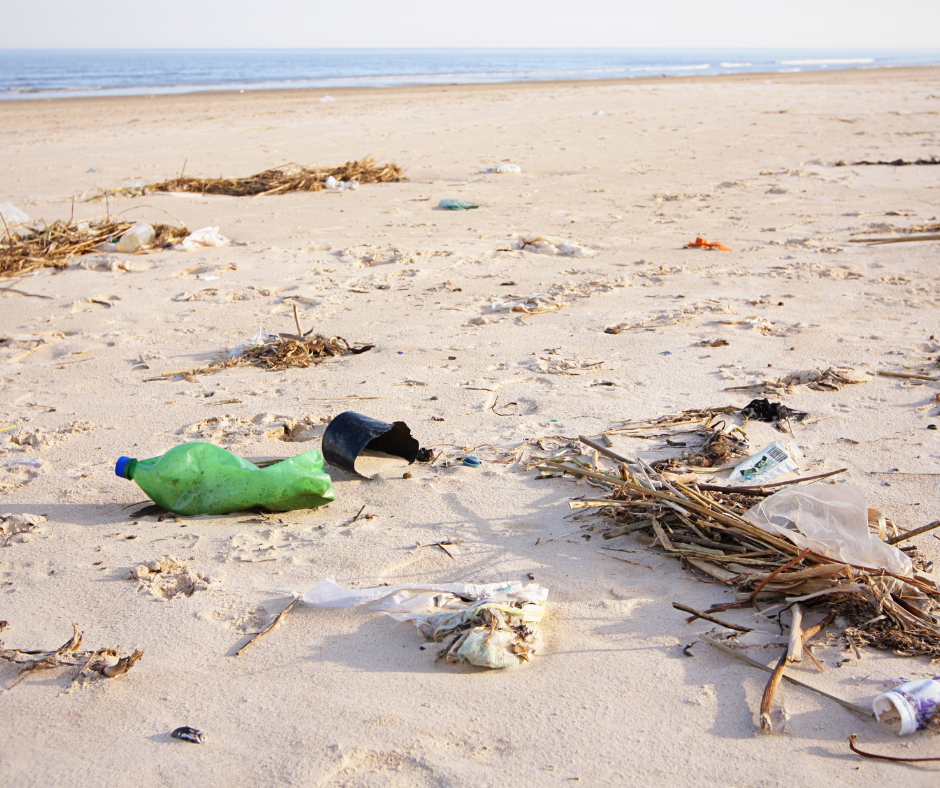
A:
[200,478]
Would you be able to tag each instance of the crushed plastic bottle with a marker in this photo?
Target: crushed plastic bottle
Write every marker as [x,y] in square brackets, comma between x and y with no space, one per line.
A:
[139,236]
[201,478]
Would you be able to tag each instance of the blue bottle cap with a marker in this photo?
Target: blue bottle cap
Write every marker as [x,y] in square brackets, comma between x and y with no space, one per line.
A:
[120,467]
[473,462]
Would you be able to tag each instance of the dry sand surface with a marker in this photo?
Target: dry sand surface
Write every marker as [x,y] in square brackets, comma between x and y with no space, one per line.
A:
[630,170]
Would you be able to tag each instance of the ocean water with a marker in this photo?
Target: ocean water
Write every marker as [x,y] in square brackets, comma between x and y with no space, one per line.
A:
[26,74]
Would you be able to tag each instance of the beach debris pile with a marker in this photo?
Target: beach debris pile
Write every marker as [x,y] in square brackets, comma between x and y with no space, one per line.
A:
[495,625]
[278,180]
[54,246]
[106,662]
[811,542]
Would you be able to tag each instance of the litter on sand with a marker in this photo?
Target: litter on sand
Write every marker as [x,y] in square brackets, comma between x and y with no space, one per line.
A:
[55,246]
[775,460]
[775,548]
[549,244]
[202,239]
[913,704]
[504,168]
[458,205]
[349,434]
[701,243]
[495,625]
[278,180]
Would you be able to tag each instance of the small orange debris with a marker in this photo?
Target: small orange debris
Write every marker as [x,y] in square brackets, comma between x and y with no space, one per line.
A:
[701,243]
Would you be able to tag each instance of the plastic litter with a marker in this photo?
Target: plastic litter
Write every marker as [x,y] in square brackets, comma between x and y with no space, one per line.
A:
[473,462]
[495,625]
[139,236]
[25,463]
[914,704]
[260,338]
[350,433]
[830,519]
[200,478]
[201,239]
[774,460]
[340,186]
[327,99]
[12,215]
[765,410]
[505,168]
[701,243]
[549,244]
[458,205]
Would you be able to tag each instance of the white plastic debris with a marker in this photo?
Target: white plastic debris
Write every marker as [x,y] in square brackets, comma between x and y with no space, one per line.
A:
[327,99]
[493,625]
[830,519]
[913,703]
[549,244]
[139,236]
[774,460]
[201,239]
[260,338]
[340,186]
[505,168]
[12,215]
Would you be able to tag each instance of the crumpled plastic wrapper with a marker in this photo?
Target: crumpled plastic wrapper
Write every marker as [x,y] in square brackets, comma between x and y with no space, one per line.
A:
[550,244]
[495,625]
[107,262]
[202,239]
[832,520]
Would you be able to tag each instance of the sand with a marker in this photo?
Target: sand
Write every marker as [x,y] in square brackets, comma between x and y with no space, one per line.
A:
[632,171]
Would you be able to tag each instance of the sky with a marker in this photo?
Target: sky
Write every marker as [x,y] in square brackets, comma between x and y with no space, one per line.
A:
[116,24]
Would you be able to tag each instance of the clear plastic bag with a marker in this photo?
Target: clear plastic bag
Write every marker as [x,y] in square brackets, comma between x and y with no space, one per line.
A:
[830,519]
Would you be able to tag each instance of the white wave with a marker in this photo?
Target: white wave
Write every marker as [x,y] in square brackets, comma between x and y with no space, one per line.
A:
[670,68]
[826,62]
[735,65]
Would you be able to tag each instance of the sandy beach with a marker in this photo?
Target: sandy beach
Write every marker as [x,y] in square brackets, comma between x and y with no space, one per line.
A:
[631,172]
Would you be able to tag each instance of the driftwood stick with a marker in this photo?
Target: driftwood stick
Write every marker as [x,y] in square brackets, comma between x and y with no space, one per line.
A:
[273,625]
[766,725]
[916,532]
[699,614]
[761,666]
[853,738]
[795,647]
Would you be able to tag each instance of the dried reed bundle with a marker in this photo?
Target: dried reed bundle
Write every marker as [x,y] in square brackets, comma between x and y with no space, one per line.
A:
[704,527]
[286,178]
[283,352]
[54,246]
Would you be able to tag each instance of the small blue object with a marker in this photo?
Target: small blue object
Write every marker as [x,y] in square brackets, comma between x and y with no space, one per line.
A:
[667,353]
[92,169]
[401,352]
[120,467]
[473,462]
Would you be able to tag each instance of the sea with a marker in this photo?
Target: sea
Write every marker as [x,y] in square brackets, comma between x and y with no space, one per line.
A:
[57,73]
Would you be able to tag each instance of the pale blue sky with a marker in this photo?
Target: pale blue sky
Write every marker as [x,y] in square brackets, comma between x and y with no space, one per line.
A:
[474,23]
